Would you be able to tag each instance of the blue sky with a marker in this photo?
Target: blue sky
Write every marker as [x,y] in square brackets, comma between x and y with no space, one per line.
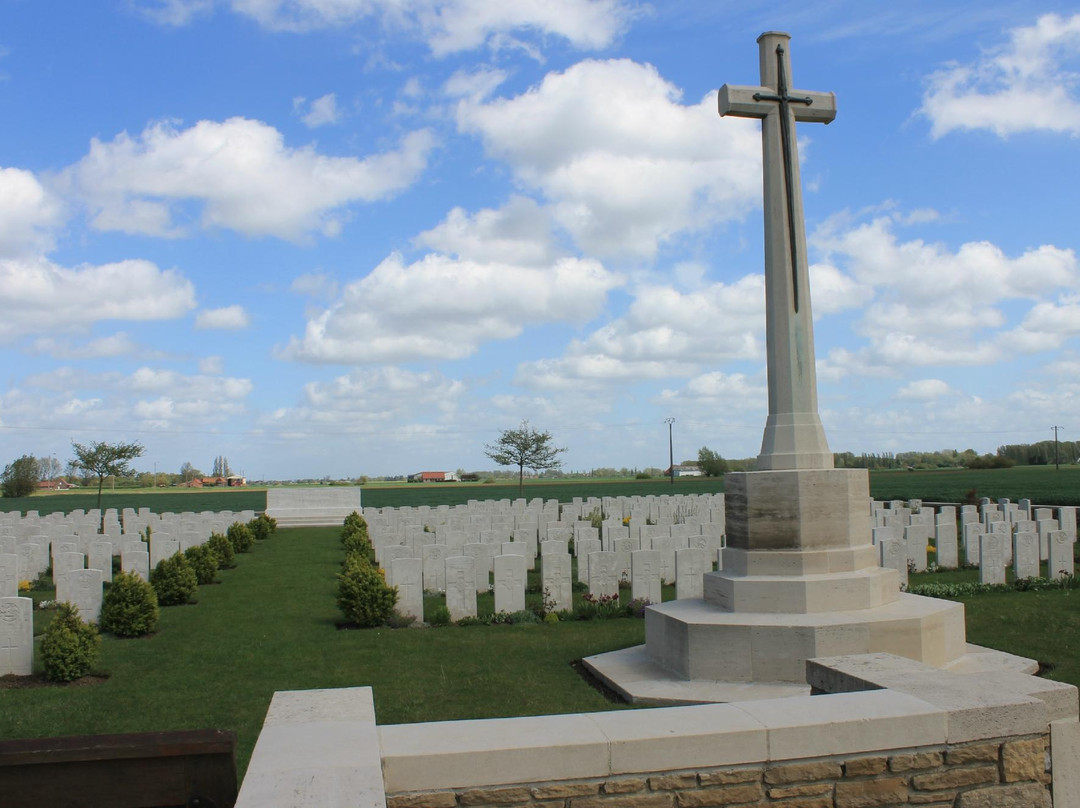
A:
[345,237]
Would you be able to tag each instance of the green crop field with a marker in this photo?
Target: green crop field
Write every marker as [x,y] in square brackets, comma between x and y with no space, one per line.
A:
[1042,484]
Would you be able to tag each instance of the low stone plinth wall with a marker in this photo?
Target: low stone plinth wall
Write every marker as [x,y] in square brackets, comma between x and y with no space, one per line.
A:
[303,507]
[999,773]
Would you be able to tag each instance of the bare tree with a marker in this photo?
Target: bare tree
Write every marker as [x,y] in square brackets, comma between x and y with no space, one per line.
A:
[105,460]
[524,447]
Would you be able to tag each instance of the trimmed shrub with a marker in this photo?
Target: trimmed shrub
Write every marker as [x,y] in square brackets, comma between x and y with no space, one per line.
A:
[204,561]
[130,606]
[174,581]
[356,542]
[222,549]
[355,521]
[363,596]
[263,526]
[240,537]
[70,646]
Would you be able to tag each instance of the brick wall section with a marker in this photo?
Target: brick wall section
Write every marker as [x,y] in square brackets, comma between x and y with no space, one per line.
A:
[1006,773]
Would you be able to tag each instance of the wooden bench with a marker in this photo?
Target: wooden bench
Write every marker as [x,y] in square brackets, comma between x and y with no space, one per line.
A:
[188,769]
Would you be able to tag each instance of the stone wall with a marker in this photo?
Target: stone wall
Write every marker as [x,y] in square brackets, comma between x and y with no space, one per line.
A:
[1000,773]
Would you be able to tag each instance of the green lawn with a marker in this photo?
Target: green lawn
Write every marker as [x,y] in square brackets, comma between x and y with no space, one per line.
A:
[271,625]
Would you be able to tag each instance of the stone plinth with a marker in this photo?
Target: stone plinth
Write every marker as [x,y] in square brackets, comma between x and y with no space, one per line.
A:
[800,580]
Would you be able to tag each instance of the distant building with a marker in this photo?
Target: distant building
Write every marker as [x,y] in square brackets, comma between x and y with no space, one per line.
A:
[434,477]
[685,470]
[55,485]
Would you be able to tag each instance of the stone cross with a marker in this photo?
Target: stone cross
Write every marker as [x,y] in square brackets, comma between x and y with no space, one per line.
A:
[794,437]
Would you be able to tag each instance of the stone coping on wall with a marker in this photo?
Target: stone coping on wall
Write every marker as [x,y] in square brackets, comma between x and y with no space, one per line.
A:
[323,747]
[303,507]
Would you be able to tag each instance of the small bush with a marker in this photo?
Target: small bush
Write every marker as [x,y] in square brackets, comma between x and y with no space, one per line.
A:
[440,616]
[263,526]
[363,596]
[204,561]
[356,542]
[222,549]
[130,606]
[399,620]
[174,581]
[70,646]
[551,617]
[240,537]
[636,607]
[354,521]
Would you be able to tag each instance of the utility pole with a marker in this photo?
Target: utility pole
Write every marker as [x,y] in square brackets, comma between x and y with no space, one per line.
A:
[670,450]
[1057,466]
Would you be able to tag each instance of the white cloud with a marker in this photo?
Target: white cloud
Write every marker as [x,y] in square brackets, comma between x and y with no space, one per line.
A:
[241,172]
[518,233]
[28,214]
[834,291]
[476,84]
[937,306]
[115,345]
[442,308]
[315,284]
[717,391]
[174,12]
[448,26]
[212,365]
[924,390]
[320,112]
[39,297]
[147,398]
[664,333]
[227,318]
[1025,85]
[625,164]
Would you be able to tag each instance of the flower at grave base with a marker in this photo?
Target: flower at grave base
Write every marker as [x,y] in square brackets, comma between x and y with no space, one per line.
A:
[626,521]
[24,586]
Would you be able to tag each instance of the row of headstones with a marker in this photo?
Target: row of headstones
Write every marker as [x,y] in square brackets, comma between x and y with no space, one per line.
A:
[433,556]
[79,524]
[995,537]
[462,577]
[408,527]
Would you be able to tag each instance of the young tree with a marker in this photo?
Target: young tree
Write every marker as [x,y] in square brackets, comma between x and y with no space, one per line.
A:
[524,447]
[104,460]
[21,477]
[710,463]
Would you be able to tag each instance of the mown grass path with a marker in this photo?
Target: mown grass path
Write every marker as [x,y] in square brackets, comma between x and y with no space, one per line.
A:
[271,625]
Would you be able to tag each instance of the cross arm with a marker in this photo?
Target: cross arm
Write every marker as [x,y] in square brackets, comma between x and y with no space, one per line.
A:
[739,101]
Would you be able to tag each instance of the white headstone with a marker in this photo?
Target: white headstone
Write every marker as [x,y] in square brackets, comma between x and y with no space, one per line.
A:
[894,556]
[603,574]
[101,556]
[66,562]
[509,583]
[645,576]
[81,588]
[1060,547]
[460,587]
[1026,555]
[9,575]
[992,558]
[690,568]
[556,581]
[948,553]
[434,567]
[16,636]
[137,562]
[408,574]
[483,556]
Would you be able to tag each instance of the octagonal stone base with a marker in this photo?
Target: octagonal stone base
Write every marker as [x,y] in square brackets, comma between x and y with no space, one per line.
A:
[695,640]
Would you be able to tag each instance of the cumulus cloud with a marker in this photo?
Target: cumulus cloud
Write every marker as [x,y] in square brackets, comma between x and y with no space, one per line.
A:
[518,233]
[315,284]
[40,297]
[28,214]
[664,333]
[112,346]
[933,305]
[445,308]
[241,173]
[148,398]
[227,318]
[924,390]
[1024,85]
[719,392]
[625,164]
[448,26]
[320,112]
